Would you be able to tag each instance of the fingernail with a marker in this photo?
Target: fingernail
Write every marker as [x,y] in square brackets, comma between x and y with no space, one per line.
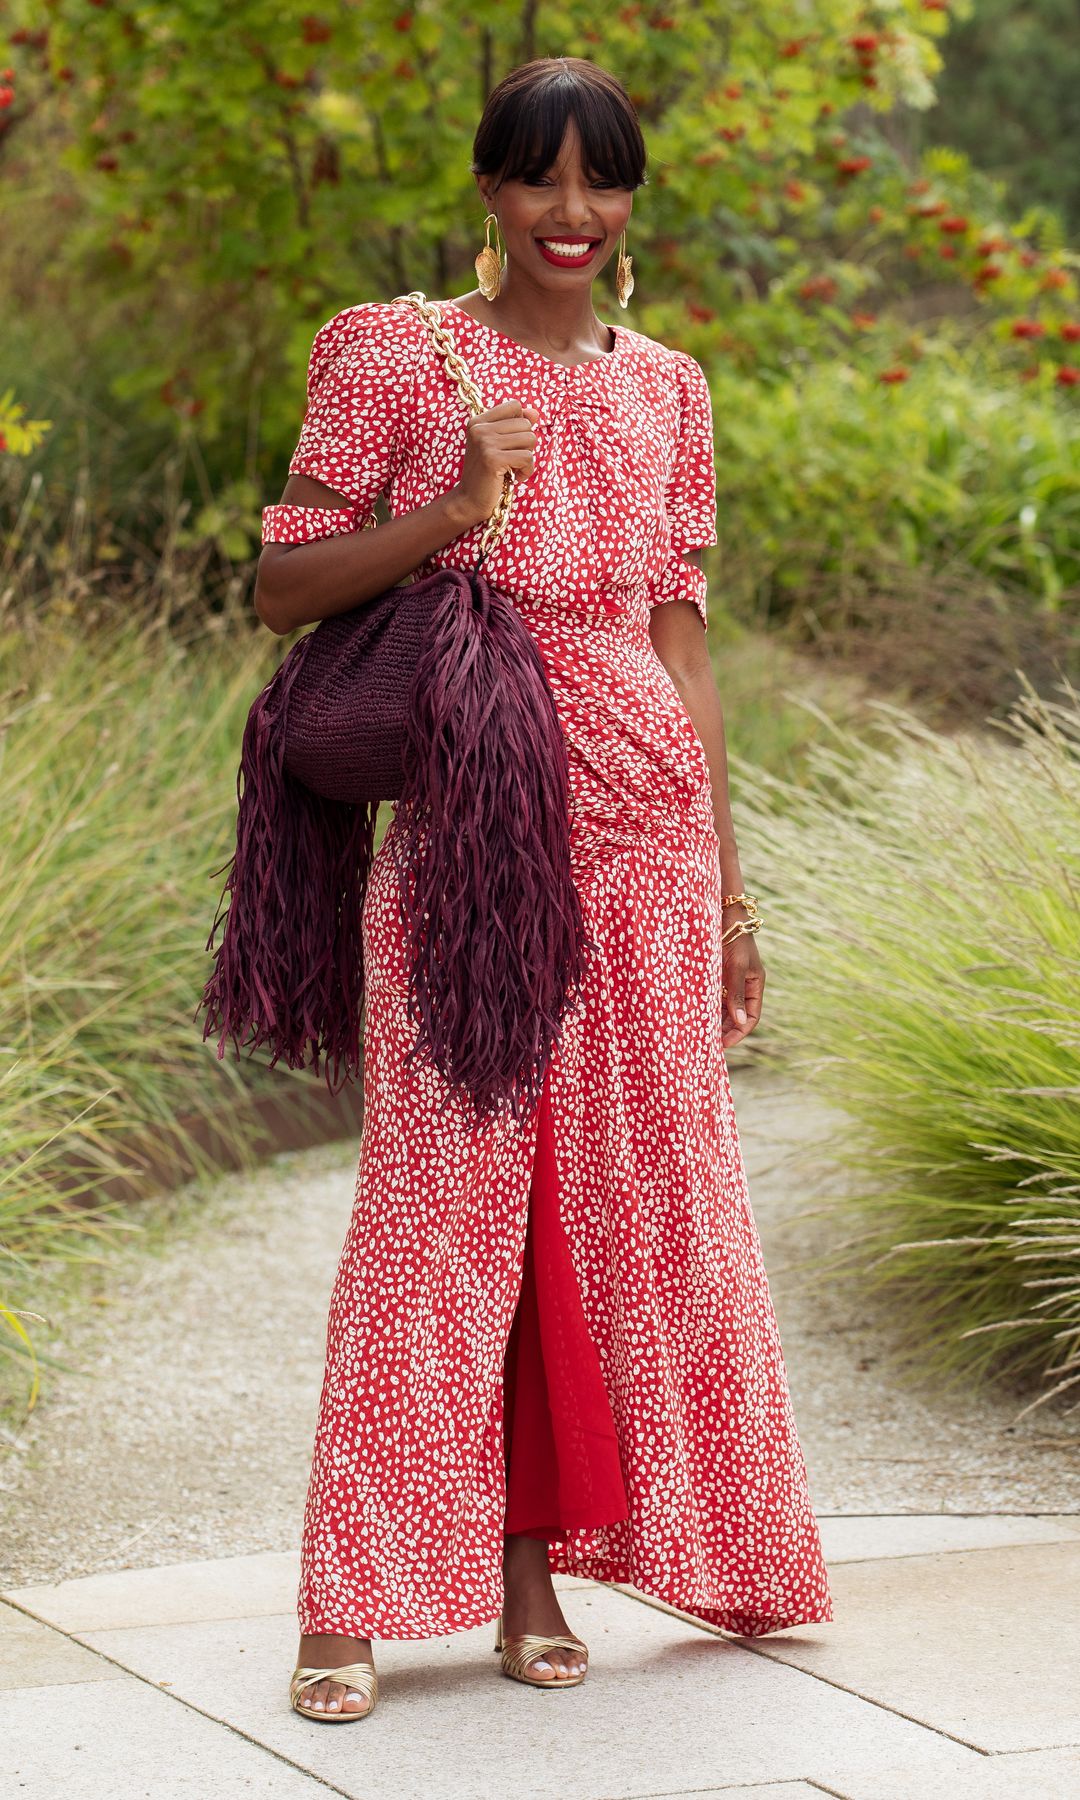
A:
[740,1015]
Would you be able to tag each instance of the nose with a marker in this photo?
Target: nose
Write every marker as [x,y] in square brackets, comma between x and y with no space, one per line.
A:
[573,209]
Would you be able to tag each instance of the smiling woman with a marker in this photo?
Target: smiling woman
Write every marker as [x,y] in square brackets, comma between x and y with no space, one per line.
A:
[553,1348]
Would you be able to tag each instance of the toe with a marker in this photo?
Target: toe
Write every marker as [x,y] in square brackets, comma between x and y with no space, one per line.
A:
[314,1697]
[355,1701]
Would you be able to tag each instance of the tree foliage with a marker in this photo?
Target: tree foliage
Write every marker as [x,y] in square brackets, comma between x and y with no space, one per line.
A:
[213,185]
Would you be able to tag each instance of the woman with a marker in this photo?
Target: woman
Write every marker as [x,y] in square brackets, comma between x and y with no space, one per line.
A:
[550,1348]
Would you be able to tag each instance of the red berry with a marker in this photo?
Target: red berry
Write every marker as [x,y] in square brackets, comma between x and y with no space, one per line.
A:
[1067,376]
[956,224]
[818,287]
[892,376]
[1070,332]
[1027,328]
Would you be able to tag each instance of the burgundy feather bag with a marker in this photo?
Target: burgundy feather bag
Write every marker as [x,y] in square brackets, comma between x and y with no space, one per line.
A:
[435,695]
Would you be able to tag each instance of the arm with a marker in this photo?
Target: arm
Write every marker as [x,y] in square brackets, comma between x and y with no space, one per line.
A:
[678,636]
[295,584]
[354,440]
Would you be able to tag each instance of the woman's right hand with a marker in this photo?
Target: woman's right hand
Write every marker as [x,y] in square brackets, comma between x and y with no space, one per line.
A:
[499,439]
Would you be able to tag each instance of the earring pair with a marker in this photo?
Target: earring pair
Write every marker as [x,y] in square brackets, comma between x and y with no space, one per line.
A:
[491,261]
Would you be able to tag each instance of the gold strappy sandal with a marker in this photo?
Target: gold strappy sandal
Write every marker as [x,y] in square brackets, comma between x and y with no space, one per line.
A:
[354,1675]
[518,1652]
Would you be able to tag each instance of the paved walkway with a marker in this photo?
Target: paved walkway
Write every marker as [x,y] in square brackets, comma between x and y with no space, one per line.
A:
[149,1515]
[952,1668]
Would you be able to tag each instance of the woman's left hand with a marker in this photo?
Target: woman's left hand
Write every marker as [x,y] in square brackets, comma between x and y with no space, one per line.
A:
[744,982]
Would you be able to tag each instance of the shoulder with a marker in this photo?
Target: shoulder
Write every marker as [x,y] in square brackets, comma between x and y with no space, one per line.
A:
[371,333]
[676,368]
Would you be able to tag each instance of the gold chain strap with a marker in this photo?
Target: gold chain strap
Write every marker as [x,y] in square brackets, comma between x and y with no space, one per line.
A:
[458,371]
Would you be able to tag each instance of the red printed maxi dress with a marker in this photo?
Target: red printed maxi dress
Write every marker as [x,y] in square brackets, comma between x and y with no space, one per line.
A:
[653,1438]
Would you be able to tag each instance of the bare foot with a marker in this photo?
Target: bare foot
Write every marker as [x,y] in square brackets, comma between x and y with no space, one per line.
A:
[530,1604]
[326,1653]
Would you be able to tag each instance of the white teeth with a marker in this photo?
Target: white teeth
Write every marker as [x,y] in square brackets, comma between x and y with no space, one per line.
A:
[567,249]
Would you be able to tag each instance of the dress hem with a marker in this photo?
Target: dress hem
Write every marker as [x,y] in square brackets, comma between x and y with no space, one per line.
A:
[735,1622]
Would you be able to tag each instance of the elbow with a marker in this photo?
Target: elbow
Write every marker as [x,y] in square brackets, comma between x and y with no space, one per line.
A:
[269,601]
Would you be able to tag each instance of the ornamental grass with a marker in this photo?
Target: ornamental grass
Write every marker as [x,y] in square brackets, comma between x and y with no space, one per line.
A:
[923,947]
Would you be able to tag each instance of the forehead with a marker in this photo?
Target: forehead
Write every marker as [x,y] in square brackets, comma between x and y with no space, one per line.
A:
[569,152]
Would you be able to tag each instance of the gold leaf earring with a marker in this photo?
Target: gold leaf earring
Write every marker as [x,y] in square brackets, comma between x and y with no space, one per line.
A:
[624,277]
[489,262]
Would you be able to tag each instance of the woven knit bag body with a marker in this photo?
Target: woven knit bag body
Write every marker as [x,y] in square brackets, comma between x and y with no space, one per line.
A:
[432,694]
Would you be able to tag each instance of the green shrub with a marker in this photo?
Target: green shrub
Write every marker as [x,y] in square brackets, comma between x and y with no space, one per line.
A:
[828,477]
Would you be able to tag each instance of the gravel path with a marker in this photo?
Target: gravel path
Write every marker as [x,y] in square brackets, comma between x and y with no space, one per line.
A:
[182,1428]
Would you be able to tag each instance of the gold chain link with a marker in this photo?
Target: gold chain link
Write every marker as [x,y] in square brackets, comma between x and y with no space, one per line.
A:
[458,371]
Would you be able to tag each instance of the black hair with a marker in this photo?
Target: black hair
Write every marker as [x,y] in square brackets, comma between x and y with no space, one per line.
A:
[525,119]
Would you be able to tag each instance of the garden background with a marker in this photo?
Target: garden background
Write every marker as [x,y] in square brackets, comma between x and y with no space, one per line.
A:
[860,218]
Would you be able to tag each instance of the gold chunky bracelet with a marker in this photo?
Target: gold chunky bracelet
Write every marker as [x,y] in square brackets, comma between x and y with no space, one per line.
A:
[741,928]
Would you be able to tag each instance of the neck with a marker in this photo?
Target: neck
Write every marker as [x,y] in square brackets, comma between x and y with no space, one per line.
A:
[555,322]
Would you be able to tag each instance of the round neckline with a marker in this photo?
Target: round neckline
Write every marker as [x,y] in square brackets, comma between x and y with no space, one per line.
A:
[493,330]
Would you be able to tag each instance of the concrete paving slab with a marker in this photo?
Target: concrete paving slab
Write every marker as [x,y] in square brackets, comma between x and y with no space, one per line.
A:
[772,1790]
[982,1644]
[665,1709]
[119,1740]
[1027,1775]
[232,1587]
[33,1655]
[867,1539]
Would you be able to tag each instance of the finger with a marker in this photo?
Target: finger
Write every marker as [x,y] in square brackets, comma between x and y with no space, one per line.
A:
[510,437]
[754,993]
[506,409]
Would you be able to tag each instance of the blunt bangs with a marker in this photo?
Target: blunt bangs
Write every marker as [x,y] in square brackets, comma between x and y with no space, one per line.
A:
[525,120]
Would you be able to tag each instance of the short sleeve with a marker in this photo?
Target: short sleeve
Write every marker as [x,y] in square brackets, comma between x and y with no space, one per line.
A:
[690,496]
[361,380]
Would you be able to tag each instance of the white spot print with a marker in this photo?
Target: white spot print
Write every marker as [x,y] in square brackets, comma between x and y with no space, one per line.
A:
[402,1531]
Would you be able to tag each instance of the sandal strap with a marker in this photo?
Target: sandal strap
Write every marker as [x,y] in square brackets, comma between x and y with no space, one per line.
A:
[518,1652]
[354,1675]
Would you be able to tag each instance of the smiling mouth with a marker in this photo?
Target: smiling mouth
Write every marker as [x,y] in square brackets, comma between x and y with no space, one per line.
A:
[568,249]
